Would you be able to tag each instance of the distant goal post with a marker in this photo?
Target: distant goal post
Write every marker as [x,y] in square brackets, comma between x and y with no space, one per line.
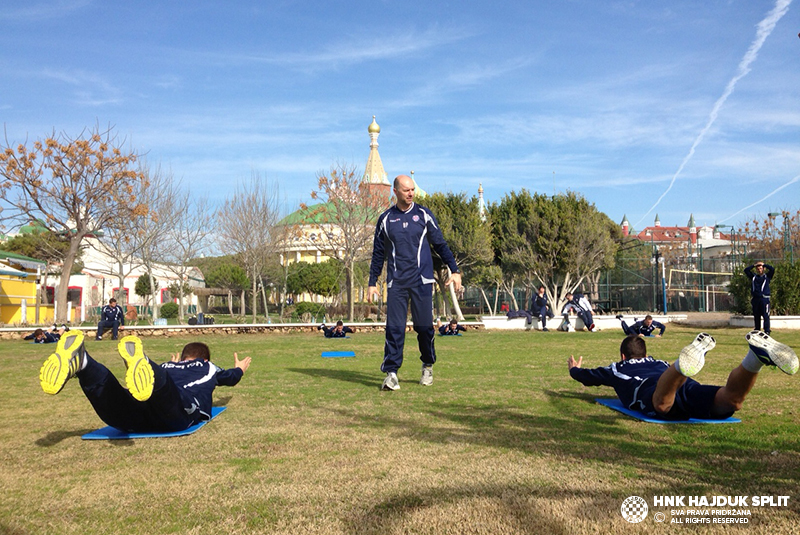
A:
[696,282]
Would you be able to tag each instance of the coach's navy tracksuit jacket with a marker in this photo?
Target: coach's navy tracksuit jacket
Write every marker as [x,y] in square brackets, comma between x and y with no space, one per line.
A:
[403,240]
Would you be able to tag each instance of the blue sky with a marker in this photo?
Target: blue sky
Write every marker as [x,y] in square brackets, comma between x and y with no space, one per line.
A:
[616,100]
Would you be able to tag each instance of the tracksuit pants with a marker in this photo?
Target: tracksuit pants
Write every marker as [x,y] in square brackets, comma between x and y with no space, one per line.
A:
[543,314]
[397,300]
[112,402]
[105,324]
[761,309]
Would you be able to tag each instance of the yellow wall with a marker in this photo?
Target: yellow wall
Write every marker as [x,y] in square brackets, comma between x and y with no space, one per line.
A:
[12,291]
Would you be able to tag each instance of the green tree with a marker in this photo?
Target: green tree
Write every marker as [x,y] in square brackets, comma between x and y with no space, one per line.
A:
[561,241]
[228,276]
[320,279]
[468,237]
[142,288]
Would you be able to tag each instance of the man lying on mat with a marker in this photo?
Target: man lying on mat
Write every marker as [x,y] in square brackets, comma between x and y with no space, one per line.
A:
[159,398]
[663,391]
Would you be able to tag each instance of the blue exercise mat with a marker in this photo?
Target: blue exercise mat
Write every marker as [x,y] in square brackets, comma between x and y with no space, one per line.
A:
[330,354]
[616,405]
[112,433]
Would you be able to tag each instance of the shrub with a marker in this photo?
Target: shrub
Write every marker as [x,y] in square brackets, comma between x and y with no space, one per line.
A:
[314,309]
[169,310]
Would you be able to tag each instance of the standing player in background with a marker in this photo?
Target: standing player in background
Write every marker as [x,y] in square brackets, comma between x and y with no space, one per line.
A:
[759,292]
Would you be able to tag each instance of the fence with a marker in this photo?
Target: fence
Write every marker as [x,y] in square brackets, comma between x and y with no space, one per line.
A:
[636,285]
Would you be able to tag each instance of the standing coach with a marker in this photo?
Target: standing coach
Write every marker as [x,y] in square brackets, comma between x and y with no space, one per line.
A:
[759,292]
[403,238]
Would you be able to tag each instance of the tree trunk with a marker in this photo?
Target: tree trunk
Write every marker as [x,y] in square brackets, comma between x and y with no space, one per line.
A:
[155,295]
[350,284]
[121,285]
[264,297]
[63,284]
[180,301]
[454,297]
[488,305]
[230,302]
[255,298]
[242,304]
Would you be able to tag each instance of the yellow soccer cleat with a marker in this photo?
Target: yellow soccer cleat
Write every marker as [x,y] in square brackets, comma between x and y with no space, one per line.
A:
[64,364]
[140,377]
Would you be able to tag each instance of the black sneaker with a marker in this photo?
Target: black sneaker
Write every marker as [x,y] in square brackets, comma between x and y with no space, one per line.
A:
[619,316]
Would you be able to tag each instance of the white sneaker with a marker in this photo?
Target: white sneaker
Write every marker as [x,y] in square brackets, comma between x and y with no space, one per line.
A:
[391,382]
[772,353]
[427,376]
[693,356]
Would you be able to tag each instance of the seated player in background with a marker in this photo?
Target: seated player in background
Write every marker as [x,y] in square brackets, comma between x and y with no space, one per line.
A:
[579,304]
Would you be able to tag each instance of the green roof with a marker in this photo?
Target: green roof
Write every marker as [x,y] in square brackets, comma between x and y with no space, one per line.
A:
[318,214]
[22,259]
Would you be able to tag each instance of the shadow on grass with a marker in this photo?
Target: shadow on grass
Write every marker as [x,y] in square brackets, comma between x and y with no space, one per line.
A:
[53,438]
[511,509]
[731,457]
[348,376]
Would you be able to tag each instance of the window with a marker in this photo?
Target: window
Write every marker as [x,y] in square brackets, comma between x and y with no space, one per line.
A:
[75,295]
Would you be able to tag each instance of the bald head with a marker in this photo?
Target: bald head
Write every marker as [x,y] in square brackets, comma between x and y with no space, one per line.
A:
[404,191]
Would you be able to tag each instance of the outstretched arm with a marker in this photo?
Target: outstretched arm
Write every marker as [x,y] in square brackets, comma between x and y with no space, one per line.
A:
[241,364]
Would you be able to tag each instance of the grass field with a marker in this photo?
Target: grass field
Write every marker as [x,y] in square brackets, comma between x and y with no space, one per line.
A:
[503,442]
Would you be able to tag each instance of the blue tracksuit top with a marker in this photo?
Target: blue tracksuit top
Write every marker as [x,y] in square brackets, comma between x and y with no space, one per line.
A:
[626,377]
[539,302]
[640,328]
[331,332]
[111,314]
[402,239]
[196,380]
[759,284]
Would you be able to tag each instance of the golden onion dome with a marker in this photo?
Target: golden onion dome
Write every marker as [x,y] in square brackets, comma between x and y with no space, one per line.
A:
[373,127]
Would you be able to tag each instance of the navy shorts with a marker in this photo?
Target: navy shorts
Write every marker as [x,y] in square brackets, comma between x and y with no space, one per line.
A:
[692,400]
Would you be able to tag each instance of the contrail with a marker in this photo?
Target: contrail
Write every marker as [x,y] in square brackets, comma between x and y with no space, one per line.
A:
[792,181]
[765,28]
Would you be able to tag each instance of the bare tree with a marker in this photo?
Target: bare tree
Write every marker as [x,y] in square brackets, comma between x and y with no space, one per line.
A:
[345,219]
[76,185]
[245,225]
[188,238]
[159,194]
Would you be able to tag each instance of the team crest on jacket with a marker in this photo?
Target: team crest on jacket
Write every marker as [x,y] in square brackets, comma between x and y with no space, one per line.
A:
[415,218]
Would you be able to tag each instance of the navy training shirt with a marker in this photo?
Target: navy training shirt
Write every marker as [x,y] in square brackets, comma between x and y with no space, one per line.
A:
[626,377]
[196,380]
[404,240]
